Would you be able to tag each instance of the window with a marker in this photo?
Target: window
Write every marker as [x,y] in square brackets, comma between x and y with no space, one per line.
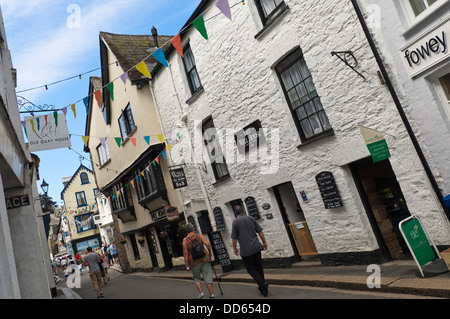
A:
[84,223]
[268,9]
[214,150]
[84,178]
[126,122]
[442,85]
[416,10]
[191,70]
[96,191]
[120,197]
[419,6]
[304,102]
[81,199]
[150,181]
[103,153]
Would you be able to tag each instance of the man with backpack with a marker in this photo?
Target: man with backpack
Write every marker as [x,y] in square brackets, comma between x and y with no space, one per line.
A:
[198,260]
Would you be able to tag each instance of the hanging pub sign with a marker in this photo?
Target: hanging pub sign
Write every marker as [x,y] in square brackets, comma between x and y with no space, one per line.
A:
[252,209]
[178,178]
[47,132]
[171,212]
[250,137]
[328,190]
[220,224]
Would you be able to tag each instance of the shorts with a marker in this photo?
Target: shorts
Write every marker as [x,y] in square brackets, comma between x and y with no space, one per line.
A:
[203,268]
[96,278]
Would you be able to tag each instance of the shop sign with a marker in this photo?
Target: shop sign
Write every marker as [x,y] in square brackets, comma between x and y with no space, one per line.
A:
[376,144]
[47,132]
[178,178]
[171,212]
[427,50]
[17,201]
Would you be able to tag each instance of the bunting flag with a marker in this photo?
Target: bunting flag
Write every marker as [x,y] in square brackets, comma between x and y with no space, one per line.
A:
[110,88]
[142,67]
[161,138]
[55,115]
[64,110]
[163,153]
[38,123]
[157,160]
[124,78]
[103,141]
[46,118]
[147,139]
[118,141]
[133,140]
[74,110]
[86,103]
[98,97]
[176,42]
[32,125]
[168,147]
[199,24]
[85,140]
[224,6]
[160,57]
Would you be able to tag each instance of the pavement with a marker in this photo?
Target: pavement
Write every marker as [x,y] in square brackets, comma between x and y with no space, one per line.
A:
[401,277]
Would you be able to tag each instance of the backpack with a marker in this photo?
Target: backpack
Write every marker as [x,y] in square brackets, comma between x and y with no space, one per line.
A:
[197,249]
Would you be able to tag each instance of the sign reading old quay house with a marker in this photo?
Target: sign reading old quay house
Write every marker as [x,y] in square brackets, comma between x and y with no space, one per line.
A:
[427,50]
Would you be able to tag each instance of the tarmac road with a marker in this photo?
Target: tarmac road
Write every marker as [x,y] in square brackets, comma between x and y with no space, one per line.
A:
[142,286]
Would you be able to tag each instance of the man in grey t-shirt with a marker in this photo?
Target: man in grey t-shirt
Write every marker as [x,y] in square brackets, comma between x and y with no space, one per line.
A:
[92,259]
[245,230]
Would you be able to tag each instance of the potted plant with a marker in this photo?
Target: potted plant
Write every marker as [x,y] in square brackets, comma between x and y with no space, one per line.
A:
[141,240]
[163,235]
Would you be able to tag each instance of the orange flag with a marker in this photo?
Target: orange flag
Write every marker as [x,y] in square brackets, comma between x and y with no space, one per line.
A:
[176,42]
[98,97]
[133,140]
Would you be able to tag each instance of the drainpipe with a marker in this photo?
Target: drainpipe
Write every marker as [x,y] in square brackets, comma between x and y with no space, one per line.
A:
[405,120]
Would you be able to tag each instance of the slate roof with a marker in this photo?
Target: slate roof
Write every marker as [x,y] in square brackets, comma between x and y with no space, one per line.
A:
[132,49]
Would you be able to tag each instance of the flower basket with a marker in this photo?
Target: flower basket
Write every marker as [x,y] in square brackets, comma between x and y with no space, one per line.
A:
[123,241]
[163,235]
[141,240]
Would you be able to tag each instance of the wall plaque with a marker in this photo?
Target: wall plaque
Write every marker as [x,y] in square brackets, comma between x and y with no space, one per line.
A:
[328,190]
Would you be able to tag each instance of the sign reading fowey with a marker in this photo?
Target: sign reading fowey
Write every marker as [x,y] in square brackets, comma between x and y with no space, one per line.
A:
[427,50]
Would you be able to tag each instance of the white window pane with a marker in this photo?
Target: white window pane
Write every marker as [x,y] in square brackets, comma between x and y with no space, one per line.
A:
[418,6]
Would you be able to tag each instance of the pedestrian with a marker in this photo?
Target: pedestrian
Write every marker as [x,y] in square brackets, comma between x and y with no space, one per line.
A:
[104,264]
[199,266]
[91,260]
[113,251]
[108,256]
[245,230]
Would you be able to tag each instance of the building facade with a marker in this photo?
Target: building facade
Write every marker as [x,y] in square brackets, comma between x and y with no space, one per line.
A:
[79,196]
[126,142]
[269,113]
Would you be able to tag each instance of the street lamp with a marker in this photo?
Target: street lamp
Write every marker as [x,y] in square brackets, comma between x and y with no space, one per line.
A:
[44,187]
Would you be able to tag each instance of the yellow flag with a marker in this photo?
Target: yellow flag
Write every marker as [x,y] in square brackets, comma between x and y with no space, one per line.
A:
[142,67]
[168,147]
[161,137]
[74,110]
[85,140]
[32,124]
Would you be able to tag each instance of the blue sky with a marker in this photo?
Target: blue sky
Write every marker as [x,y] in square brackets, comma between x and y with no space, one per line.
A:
[48,44]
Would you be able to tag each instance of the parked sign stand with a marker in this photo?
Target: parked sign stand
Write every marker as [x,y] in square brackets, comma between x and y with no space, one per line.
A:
[418,240]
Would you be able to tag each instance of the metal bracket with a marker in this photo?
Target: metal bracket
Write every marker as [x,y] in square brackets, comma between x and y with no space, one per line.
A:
[343,58]
[32,108]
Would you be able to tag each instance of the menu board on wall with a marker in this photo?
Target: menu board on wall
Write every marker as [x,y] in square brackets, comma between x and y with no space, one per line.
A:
[328,190]
[220,251]
[252,209]
[203,221]
[220,224]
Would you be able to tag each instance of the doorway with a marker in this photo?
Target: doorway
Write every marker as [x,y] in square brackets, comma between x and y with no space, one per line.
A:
[384,203]
[294,221]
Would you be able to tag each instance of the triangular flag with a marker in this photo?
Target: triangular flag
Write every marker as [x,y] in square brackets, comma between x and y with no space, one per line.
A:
[32,124]
[118,141]
[64,110]
[161,137]
[74,110]
[142,67]
[143,175]
[103,141]
[163,153]
[157,160]
[46,117]
[86,103]
[85,140]
[159,55]
[147,139]
[176,42]
[38,123]
[132,183]
[98,97]
[168,147]
[110,88]
[133,140]
[224,6]
[199,24]
[124,77]
[55,115]
[154,164]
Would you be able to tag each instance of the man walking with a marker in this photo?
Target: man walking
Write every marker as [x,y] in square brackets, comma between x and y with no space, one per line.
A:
[92,259]
[245,230]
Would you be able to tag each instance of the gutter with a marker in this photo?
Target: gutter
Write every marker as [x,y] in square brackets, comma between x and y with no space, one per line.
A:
[399,106]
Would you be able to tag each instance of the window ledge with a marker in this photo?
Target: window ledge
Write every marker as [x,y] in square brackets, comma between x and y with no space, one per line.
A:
[316,138]
[221,179]
[275,18]
[195,95]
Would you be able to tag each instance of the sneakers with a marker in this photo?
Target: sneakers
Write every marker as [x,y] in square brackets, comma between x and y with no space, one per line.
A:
[264,289]
[201,295]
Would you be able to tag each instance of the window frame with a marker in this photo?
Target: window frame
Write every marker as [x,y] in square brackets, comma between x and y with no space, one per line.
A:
[84,197]
[214,164]
[267,19]
[186,49]
[280,70]
[106,154]
[129,125]
[86,177]
[412,18]
[151,185]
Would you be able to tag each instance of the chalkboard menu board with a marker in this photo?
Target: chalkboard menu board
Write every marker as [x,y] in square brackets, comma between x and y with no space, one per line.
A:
[328,190]
[220,251]
[220,224]
[252,209]
[203,221]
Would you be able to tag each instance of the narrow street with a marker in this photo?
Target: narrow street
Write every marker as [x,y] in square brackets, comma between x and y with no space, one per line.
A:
[143,286]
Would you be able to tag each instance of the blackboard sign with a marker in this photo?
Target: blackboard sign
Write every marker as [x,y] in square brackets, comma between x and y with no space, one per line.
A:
[220,224]
[220,252]
[328,190]
[203,221]
[252,209]
[178,178]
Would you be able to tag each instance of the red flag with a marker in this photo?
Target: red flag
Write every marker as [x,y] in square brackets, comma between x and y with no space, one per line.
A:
[98,97]
[176,42]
